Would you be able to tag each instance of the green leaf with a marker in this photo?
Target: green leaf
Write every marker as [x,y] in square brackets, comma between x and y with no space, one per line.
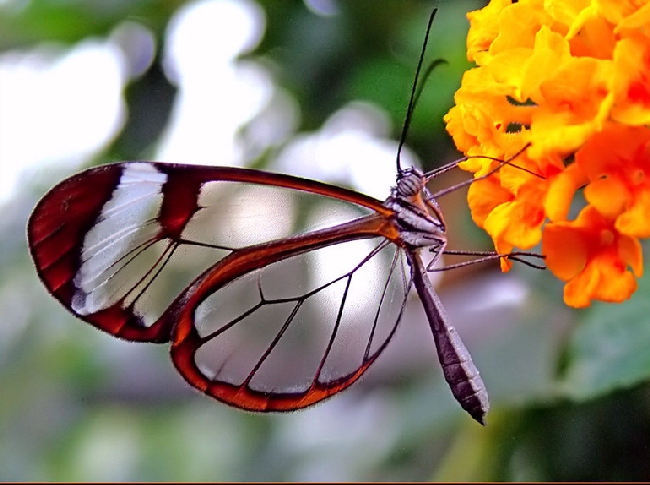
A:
[611,347]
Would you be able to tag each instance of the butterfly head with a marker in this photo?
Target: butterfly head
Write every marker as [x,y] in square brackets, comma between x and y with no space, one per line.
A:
[410,183]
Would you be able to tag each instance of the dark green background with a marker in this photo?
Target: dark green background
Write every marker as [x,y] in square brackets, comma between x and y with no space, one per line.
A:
[569,392]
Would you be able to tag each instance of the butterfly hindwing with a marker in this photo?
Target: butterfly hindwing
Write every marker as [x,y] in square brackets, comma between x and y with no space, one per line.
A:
[295,331]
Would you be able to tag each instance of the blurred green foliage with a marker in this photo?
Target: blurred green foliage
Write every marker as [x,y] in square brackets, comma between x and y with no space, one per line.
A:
[569,389]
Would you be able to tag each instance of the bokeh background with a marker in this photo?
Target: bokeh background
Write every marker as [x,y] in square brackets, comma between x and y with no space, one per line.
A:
[317,88]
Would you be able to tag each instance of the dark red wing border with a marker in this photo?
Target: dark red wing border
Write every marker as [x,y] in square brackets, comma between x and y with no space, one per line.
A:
[55,232]
[60,221]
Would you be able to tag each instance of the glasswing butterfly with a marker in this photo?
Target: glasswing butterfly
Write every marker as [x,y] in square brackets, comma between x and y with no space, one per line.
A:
[260,318]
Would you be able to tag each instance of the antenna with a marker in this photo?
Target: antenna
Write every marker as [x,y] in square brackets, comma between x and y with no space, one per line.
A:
[450,165]
[411,105]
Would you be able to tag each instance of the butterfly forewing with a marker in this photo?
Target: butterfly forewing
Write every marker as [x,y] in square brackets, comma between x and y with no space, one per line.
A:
[118,243]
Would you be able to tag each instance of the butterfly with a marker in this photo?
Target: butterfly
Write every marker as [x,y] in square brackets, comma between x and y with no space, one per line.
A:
[258,315]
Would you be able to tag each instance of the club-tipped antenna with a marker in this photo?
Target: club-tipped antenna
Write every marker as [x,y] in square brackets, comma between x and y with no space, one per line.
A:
[411,105]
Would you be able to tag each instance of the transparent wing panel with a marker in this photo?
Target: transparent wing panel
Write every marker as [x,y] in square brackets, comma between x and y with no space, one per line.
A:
[315,317]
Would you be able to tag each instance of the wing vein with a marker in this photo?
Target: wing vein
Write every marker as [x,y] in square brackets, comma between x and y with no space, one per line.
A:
[381,302]
[330,343]
[274,343]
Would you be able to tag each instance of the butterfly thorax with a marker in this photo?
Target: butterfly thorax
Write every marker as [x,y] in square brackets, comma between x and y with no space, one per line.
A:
[417,214]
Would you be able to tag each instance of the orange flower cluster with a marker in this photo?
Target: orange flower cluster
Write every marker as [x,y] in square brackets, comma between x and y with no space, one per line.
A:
[570,79]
